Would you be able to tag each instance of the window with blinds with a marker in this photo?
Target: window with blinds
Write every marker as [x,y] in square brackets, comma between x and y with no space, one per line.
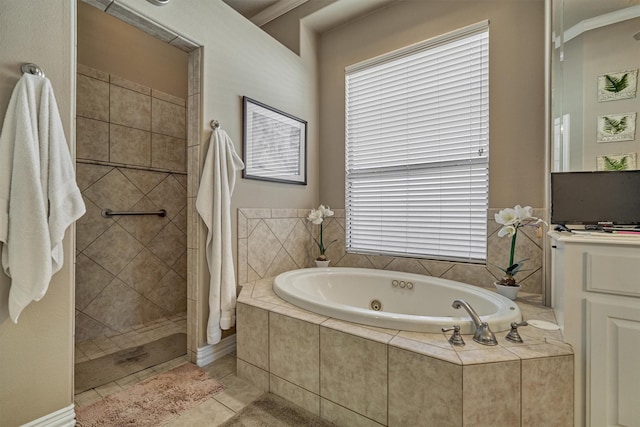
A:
[417,146]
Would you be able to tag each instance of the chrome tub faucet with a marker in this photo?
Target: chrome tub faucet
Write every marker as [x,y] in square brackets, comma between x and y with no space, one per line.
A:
[483,334]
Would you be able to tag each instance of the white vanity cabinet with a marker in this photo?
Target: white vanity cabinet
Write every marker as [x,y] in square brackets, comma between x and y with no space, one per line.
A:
[596,297]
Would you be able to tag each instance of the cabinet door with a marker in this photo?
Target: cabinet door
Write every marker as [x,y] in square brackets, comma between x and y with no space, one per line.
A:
[613,364]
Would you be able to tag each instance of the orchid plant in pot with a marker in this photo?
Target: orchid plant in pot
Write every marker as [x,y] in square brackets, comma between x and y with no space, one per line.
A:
[513,220]
[317,216]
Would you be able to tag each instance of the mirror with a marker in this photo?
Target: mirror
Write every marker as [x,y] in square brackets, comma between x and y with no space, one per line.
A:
[595,99]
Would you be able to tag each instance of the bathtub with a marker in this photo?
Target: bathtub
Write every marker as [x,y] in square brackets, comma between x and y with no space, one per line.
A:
[394,300]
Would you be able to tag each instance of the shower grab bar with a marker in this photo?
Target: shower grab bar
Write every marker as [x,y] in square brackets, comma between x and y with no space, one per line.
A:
[108,213]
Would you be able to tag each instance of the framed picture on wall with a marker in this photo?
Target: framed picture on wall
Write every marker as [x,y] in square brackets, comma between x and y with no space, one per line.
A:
[616,127]
[617,162]
[618,85]
[274,145]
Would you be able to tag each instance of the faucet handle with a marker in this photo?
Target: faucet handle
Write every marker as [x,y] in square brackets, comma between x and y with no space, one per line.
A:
[456,338]
[513,334]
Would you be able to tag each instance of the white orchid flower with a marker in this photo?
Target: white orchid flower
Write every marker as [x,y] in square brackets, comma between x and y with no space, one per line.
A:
[326,212]
[507,230]
[315,216]
[507,216]
[523,213]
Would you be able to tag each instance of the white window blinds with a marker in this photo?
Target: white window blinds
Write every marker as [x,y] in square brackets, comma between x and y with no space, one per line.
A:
[417,144]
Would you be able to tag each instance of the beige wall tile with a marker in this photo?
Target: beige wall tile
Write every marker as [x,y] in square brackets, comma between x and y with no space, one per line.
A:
[193,168]
[294,351]
[169,244]
[169,195]
[92,72]
[143,228]
[256,376]
[88,174]
[91,279]
[281,263]
[491,394]
[170,293]
[300,246]
[113,191]
[547,392]
[90,225]
[144,180]
[193,219]
[294,394]
[120,307]
[92,139]
[193,120]
[129,146]
[128,84]
[92,98]
[168,153]
[144,272]
[168,119]
[129,108]
[252,335]
[168,97]
[114,249]
[263,248]
[343,417]
[353,373]
[423,391]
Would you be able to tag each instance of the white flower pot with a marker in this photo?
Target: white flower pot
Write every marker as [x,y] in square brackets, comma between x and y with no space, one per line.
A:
[510,292]
[322,263]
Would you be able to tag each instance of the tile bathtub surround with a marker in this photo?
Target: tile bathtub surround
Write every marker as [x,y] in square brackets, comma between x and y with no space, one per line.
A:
[272,241]
[121,122]
[374,376]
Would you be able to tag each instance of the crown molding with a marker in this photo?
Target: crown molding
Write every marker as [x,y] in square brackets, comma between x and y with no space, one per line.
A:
[275,11]
[599,21]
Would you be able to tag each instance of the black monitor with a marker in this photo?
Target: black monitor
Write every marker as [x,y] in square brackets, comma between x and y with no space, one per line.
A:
[607,197]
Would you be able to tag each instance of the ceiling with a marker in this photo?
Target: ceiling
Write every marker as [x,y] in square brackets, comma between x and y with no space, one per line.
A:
[321,14]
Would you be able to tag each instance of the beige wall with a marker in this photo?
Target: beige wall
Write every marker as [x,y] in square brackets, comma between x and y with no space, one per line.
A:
[516,84]
[36,359]
[599,58]
[108,44]
[238,59]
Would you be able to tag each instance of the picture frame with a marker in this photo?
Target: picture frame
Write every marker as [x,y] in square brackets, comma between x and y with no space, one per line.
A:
[617,85]
[617,162]
[274,144]
[616,127]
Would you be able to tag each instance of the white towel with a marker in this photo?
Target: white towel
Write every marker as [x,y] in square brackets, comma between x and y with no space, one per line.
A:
[214,206]
[39,197]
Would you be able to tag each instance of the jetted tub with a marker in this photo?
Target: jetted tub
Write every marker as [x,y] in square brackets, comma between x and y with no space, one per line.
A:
[392,299]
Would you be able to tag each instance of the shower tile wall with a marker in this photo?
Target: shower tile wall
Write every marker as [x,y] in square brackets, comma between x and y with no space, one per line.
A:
[131,156]
[271,241]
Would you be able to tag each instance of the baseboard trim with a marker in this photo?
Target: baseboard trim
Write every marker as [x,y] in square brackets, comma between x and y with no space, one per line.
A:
[65,417]
[209,353]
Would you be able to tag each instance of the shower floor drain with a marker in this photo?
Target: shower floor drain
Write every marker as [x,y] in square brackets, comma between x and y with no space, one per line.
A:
[375,305]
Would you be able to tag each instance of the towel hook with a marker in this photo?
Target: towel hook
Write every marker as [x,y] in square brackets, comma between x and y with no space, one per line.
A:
[32,69]
[215,124]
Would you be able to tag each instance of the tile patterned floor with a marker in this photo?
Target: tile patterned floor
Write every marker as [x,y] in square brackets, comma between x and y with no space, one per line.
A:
[237,394]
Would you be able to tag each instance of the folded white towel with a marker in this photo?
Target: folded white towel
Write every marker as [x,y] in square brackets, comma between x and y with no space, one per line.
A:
[214,206]
[39,197]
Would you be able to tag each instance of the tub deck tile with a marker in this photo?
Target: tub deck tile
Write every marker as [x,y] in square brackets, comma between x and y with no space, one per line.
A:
[439,340]
[299,314]
[426,349]
[540,350]
[491,355]
[368,332]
